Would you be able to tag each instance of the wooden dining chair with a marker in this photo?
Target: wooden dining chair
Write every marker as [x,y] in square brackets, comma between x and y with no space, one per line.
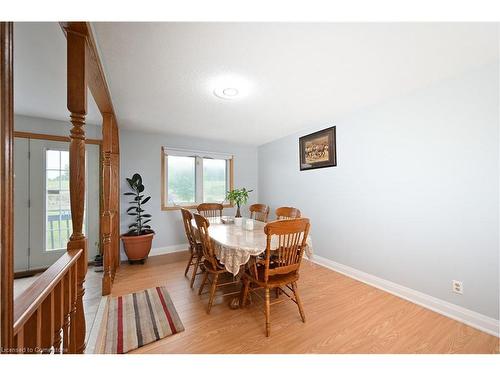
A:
[280,267]
[284,213]
[211,264]
[196,252]
[259,212]
[210,209]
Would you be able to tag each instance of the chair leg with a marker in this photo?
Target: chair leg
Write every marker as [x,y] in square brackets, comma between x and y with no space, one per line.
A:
[212,292]
[205,277]
[278,292]
[268,313]
[189,263]
[195,270]
[299,302]
[244,293]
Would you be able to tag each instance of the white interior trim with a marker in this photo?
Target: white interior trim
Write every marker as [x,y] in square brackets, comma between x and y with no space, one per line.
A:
[461,314]
[169,249]
[202,154]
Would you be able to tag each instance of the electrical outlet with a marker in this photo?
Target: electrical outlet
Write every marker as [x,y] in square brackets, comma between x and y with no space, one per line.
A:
[457,287]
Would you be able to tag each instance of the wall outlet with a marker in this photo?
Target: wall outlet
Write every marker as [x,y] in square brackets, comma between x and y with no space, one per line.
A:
[457,287]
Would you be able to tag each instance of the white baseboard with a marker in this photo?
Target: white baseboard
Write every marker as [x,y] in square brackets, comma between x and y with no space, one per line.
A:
[168,249]
[461,314]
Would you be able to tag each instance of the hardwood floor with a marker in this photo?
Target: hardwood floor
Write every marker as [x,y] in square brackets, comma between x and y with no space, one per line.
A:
[343,316]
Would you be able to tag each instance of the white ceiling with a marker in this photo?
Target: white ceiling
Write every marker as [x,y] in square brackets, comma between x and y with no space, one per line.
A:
[40,73]
[301,74]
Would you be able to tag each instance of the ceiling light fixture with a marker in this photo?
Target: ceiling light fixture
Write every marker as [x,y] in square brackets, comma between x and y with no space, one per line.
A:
[226,93]
[229,87]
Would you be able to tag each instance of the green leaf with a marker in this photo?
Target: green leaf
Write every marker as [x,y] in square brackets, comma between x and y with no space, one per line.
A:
[129,193]
[132,208]
[140,188]
[132,214]
[145,200]
[146,221]
[132,225]
[137,177]
[146,215]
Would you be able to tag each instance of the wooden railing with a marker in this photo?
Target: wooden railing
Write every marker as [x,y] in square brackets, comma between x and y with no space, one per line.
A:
[45,314]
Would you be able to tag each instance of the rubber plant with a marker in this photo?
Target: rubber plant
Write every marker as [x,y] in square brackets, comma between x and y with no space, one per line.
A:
[140,224]
[138,240]
[238,197]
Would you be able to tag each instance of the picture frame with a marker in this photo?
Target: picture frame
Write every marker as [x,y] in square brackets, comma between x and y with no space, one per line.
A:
[318,149]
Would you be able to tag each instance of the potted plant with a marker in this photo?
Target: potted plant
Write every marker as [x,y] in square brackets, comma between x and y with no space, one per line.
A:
[238,197]
[98,259]
[137,241]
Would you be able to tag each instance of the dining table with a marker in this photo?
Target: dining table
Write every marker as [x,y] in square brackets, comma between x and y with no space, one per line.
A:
[234,244]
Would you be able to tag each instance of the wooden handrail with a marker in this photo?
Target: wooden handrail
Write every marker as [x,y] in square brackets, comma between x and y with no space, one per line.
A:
[45,314]
[26,304]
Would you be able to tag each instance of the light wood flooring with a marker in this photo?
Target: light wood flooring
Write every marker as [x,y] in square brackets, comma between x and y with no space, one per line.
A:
[343,316]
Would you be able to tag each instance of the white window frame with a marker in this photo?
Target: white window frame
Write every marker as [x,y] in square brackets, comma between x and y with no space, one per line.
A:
[199,156]
[45,207]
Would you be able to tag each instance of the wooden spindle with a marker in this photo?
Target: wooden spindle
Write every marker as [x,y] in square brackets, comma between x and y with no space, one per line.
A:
[66,312]
[33,333]
[48,318]
[73,328]
[19,341]
[58,315]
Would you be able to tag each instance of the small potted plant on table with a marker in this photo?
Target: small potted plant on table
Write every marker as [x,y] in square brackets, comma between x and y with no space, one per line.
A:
[137,241]
[238,197]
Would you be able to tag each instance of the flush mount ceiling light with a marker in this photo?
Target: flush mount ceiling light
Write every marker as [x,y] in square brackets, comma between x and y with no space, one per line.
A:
[229,87]
[227,93]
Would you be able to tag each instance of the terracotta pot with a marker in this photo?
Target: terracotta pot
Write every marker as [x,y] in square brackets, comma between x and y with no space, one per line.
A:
[137,247]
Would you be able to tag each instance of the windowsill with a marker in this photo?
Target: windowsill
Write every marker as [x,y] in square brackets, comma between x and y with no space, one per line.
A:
[191,207]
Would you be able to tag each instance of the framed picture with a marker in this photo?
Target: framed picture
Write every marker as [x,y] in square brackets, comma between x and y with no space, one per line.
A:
[318,150]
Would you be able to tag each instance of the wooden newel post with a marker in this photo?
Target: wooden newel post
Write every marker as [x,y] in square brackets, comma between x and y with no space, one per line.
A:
[77,106]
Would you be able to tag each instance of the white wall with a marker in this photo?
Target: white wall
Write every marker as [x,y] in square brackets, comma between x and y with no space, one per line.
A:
[141,153]
[415,196]
[53,127]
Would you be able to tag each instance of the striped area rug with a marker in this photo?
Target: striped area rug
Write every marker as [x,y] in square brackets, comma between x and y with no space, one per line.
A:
[140,318]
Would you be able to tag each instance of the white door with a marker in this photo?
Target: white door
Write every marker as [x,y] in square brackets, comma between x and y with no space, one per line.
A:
[49,207]
[21,204]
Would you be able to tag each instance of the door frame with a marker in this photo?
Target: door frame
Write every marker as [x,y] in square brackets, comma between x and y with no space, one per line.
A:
[58,138]
[6,184]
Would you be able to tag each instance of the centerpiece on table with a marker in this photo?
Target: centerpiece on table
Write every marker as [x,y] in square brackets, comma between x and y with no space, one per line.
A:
[238,197]
[137,241]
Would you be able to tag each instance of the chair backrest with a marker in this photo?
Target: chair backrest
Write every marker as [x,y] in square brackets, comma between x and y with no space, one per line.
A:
[286,241]
[206,243]
[188,228]
[284,213]
[259,212]
[210,209]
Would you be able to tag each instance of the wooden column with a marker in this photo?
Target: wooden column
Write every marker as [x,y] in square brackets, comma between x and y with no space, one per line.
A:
[6,184]
[77,106]
[111,199]
[115,194]
[107,216]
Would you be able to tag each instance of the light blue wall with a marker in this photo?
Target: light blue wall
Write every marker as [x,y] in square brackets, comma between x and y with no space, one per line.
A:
[415,196]
[141,152]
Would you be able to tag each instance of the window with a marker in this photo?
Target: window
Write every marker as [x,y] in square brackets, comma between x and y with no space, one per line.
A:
[192,177]
[57,209]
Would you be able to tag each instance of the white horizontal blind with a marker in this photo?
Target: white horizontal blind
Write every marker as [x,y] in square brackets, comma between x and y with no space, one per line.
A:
[196,153]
